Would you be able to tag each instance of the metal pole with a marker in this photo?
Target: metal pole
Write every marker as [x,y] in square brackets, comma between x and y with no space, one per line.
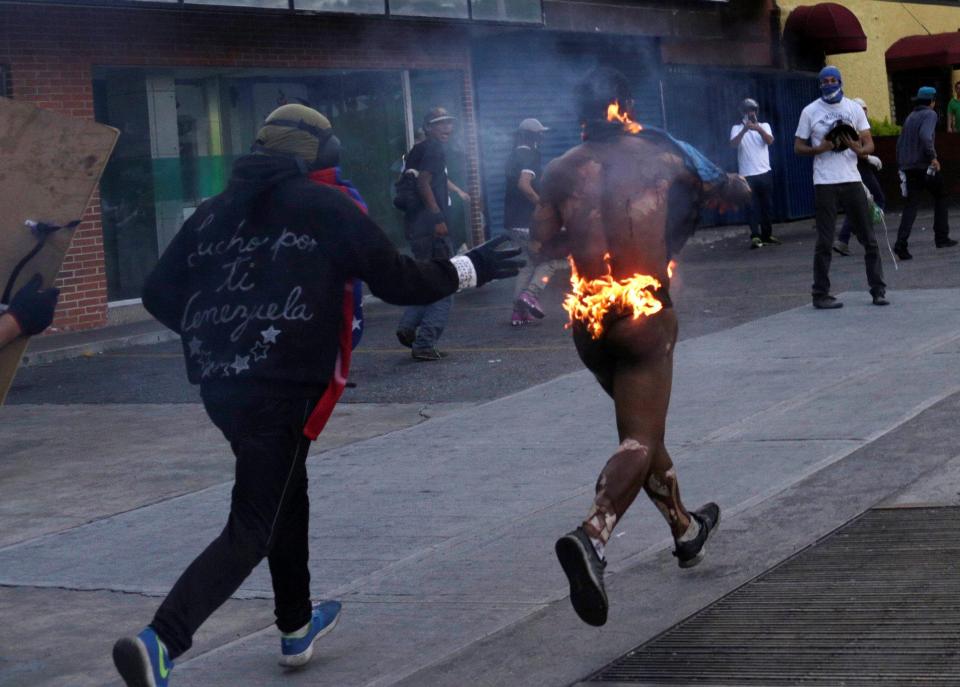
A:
[663,106]
[407,107]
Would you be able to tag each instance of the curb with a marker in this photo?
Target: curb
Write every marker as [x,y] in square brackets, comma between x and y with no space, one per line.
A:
[92,348]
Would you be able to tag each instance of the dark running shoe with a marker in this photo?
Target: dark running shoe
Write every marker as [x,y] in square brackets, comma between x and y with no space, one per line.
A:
[406,337]
[771,241]
[826,303]
[902,253]
[427,354]
[584,570]
[880,299]
[690,553]
[947,243]
[841,248]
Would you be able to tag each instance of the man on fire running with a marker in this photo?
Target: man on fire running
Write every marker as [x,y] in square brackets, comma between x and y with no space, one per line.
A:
[619,205]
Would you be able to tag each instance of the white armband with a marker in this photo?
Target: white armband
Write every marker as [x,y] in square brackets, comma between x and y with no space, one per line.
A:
[466,272]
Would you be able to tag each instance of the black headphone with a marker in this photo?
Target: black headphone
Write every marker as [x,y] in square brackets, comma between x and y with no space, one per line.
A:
[328,150]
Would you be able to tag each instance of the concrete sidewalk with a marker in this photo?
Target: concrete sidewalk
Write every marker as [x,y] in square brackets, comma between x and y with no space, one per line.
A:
[438,537]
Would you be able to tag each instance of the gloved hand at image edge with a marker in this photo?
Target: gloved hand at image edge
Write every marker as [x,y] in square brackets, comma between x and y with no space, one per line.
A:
[32,307]
[484,263]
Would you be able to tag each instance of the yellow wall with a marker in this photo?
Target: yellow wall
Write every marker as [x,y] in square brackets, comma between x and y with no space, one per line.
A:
[865,73]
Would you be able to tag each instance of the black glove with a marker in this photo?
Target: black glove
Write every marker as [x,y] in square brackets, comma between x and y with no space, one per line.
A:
[32,307]
[839,133]
[493,264]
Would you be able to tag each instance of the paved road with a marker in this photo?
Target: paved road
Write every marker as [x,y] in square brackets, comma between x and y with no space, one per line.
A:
[437,532]
[719,284]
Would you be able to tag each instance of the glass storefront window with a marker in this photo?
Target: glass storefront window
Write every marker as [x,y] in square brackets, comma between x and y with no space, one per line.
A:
[345,6]
[507,10]
[451,9]
[126,189]
[263,4]
[181,130]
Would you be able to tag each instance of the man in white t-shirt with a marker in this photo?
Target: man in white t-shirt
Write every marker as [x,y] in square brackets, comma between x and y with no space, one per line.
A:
[836,182]
[752,139]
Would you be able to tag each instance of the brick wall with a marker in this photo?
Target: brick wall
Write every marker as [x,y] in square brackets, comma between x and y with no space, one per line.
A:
[51,51]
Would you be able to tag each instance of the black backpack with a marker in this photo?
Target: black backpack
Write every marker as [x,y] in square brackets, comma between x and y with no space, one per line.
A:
[406,197]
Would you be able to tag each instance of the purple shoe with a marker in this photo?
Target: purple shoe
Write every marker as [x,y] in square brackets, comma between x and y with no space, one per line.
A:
[532,304]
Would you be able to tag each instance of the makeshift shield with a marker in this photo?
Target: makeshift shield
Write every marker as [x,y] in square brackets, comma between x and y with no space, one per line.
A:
[50,165]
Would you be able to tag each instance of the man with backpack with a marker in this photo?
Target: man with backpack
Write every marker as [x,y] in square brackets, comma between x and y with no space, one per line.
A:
[425,226]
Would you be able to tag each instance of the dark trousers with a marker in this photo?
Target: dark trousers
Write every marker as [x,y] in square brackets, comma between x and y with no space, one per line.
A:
[850,196]
[872,183]
[761,205]
[269,513]
[917,181]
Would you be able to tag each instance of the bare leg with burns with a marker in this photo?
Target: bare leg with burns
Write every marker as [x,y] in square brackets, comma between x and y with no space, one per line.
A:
[640,386]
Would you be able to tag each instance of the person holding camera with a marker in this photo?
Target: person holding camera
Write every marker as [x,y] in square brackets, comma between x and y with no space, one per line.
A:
[752,139]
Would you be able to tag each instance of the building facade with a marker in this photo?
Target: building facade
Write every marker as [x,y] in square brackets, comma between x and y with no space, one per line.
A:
[188,83]
[875,73]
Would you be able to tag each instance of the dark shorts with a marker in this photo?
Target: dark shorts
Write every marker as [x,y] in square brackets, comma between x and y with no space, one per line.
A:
[624,341]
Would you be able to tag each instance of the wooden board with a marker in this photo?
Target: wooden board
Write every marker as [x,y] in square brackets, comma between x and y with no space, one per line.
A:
[50,165]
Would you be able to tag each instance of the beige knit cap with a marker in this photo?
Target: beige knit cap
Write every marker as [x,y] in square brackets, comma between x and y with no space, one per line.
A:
[289,140]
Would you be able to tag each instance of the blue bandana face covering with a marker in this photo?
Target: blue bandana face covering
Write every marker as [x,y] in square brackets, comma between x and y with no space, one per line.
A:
[831,93]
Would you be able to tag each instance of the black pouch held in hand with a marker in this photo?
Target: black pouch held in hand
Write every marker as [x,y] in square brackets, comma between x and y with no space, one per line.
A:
[839,132]
[405,194]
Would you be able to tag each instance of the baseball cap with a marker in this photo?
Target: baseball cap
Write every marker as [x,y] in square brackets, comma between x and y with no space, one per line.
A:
[532,125]
[926,93]
[749,104]
[436,115]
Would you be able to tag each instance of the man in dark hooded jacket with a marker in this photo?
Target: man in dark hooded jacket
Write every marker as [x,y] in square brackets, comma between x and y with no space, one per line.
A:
[259,283]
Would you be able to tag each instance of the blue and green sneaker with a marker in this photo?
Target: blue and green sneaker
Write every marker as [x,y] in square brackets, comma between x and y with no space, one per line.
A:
[297,651]
[143,661]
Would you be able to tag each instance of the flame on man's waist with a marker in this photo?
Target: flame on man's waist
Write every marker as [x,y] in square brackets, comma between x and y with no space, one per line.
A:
[591,299]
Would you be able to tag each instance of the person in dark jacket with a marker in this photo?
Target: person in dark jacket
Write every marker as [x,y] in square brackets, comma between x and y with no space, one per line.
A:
[259,283]
[426,228]
[919,170]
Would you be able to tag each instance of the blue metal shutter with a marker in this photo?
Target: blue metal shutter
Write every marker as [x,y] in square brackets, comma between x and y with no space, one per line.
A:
[532,74]
[701,105]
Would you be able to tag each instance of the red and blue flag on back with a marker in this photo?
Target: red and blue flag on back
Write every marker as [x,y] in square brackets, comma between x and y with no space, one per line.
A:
[351,323]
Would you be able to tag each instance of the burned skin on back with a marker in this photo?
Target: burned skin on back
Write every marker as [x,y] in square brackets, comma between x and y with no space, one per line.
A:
[609,197]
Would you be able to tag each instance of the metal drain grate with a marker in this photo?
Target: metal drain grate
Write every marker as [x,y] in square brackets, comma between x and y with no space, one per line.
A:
[876,603]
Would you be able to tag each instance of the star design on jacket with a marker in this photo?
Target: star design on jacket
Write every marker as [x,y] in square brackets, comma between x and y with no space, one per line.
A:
[241,363]
[196,345]
[270,335]
[259,351]
[357,324]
